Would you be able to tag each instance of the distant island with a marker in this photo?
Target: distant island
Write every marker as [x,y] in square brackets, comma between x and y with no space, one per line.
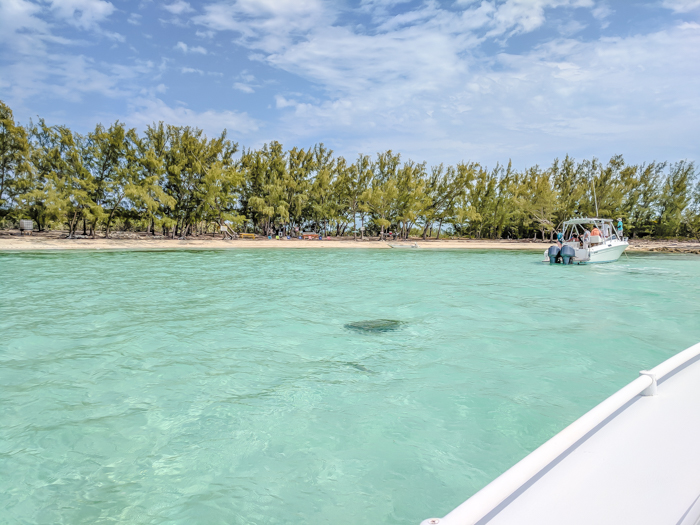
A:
[174,182]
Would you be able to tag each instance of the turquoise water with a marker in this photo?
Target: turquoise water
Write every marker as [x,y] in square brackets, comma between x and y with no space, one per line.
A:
[224,387]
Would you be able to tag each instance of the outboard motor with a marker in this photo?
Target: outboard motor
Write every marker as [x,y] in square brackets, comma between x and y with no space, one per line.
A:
[553,253]
[567,253]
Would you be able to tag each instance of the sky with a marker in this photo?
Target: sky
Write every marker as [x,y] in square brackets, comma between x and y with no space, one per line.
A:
[486,81]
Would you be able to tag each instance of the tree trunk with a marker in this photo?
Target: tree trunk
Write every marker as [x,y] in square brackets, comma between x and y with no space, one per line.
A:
[354,225]
[439,228]
[2,184]
[111,215]
[71,225]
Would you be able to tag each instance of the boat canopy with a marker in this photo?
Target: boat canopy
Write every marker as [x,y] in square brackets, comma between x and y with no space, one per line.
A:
[587,220]
[607,229]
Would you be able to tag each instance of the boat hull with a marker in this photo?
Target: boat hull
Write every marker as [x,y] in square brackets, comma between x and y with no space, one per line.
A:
[596,254]
[605,254]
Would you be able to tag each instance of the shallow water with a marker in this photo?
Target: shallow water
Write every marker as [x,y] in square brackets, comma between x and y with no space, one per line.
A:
[224,386]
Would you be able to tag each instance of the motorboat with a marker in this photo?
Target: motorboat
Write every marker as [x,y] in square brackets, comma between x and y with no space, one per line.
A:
[414,245]
[587,241]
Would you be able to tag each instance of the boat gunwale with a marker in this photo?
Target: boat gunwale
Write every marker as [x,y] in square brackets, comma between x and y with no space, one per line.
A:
[496,495]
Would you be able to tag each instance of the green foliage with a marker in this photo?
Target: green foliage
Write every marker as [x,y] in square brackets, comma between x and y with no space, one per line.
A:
[15,168]
[176,179]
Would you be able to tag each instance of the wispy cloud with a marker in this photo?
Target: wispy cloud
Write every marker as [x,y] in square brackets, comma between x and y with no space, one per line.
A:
[266,24]
[146,111]
[178,8]
[682,6]
[243,87]
[423,69]
[85,14]
[190,49]
[436,80]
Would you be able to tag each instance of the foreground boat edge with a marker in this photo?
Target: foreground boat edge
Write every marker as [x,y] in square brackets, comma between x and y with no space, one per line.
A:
[497,494]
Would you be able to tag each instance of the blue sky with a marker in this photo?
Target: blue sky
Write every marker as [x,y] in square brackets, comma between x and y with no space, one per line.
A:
[527,80]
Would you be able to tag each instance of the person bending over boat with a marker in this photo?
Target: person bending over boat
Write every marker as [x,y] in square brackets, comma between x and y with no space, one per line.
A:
[586,239]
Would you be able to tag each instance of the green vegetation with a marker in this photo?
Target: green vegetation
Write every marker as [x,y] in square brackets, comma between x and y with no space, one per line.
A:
[177,181]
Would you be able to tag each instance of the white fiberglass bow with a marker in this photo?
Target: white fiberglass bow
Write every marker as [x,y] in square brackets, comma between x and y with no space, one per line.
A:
[632,459]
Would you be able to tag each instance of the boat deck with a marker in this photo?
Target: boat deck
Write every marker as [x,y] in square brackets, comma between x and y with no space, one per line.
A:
[635,458]
[642,467]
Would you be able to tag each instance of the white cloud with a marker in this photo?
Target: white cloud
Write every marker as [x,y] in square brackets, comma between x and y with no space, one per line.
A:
[269,25]
[190,49]
[20,28]
[421,81]
[178,7]
[601,11]
[134,19]
[146,111]
[84,14]
[524,16]
[243,87]
[682,6]
[70,78]
[423,74]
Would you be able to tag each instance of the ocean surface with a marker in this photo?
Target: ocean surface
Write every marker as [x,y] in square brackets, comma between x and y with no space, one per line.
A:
[306,386]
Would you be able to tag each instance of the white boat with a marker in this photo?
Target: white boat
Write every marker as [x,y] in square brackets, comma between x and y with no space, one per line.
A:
[634,458]
[414,245]
[587,241]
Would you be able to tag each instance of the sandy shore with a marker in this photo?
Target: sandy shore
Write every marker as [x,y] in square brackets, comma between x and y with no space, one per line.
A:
[11,240]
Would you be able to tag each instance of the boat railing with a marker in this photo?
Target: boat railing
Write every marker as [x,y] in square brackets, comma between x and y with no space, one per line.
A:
[508,485]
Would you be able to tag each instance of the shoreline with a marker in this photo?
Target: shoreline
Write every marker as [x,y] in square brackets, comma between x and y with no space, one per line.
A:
[13,241]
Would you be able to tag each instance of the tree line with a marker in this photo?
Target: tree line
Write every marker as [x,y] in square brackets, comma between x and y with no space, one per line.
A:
[175,181]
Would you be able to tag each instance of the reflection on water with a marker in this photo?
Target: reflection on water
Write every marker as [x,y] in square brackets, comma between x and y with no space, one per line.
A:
[275,387]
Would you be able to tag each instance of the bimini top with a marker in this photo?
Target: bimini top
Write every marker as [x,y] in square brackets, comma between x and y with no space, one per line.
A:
[587,220]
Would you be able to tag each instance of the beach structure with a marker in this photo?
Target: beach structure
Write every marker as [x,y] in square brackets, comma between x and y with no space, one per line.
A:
[587,241]
[228,232]
[309,235]
[26,226]
[634,458]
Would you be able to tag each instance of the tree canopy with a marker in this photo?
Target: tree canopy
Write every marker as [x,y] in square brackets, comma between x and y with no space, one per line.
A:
[176,180]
